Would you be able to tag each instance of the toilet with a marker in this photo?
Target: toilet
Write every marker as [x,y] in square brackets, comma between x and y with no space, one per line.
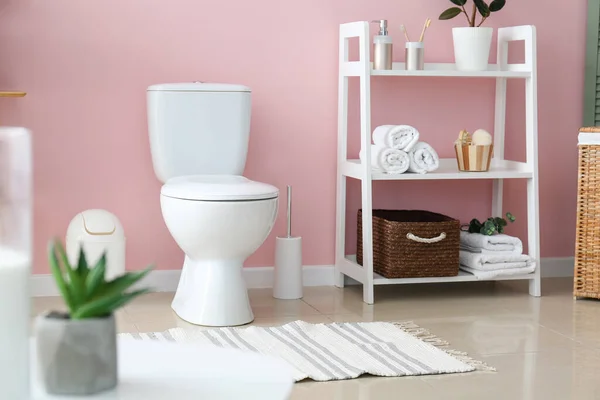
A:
[199,136]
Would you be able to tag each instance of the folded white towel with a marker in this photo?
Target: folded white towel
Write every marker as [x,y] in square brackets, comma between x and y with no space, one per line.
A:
[485,262]
[501,272]
[491,252]
[423,158]
[587,138]
[392,161]
[401,137]
[495,244]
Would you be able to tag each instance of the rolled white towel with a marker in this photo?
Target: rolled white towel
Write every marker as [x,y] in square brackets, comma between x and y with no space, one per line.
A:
[484,262]
[401,137]
[423,159]
[495,244]
[392,161]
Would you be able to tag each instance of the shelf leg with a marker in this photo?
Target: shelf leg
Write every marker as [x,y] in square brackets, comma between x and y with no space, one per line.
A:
[533,230]
[368,293]
[533,204]
[340,236]
[367,224]
[340,216]
[366,180]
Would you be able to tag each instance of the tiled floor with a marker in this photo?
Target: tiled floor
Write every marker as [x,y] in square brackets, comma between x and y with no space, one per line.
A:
[543,348]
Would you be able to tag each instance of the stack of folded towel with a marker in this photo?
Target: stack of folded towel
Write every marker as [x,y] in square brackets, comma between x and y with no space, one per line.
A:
[487,257]
[396,149]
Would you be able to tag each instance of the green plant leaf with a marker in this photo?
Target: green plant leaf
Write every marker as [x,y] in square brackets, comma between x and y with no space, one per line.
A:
[59,278]
[122,283]
[497,5]
[450,13]
[76,283]
[489,228]
[475,226]
[82,266]
[106,305]
[95,278]
[510,217]
[459,2]
[482,7]
[500,221]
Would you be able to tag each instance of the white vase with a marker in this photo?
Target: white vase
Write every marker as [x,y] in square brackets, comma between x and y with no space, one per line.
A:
[472,48]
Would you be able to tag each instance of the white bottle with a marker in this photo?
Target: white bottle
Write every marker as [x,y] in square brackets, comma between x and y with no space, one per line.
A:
[382,47]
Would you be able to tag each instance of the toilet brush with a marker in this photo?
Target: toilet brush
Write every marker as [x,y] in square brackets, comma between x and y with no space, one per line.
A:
[287,283]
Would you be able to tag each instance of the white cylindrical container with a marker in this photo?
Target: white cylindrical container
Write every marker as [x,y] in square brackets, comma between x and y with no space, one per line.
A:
[414,56]
[472,48]
[15,261]
[288,283]
[97,231]
[288,268]
[382,47]
[382,52]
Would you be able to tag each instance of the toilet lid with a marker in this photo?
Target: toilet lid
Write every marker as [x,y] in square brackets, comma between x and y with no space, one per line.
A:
[217,188]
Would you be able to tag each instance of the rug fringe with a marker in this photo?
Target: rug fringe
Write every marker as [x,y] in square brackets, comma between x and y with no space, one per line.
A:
[423,334]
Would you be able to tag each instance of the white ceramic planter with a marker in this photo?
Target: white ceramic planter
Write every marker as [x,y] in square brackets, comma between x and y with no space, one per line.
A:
[76,357]
[472,48]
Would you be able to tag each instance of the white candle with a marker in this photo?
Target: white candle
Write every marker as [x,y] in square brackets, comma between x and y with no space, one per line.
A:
[14,324]
[15,261]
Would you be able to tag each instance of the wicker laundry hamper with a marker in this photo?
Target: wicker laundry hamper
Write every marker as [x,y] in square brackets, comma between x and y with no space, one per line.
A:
[587,247]
[412,244]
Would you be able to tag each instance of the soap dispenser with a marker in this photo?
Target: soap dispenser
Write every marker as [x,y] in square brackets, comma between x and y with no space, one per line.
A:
[382,47]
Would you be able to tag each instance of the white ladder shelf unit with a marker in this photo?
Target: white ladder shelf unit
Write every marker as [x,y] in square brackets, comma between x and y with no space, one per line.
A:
[346,265]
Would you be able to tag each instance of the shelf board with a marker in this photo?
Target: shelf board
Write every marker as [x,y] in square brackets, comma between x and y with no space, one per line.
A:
[461,277]
[499,169]
[12,94]
[448,70]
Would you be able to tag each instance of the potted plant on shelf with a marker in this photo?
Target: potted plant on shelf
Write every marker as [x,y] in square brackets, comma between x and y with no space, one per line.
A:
[472,44]
[490,226]
[77,350]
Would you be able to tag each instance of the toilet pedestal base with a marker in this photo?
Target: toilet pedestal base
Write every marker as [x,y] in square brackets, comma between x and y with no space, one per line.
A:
[213,293]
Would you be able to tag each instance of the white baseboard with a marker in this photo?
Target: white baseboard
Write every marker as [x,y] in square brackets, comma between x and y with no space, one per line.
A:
[166,281]
[262,277]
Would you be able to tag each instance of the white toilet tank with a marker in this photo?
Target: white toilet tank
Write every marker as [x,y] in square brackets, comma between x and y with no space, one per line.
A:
[198,128]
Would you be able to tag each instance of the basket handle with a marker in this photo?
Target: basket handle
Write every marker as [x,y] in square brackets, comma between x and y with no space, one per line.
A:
[424,240]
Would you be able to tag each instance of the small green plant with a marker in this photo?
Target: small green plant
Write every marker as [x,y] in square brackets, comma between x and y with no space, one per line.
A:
[484,9]
[490,226]
[85,291]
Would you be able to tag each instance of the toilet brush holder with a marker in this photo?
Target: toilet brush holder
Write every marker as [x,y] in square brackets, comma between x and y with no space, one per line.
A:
[288,268]
[287,283]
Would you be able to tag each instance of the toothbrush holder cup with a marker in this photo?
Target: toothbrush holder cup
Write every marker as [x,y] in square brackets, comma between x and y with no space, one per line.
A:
[415,56]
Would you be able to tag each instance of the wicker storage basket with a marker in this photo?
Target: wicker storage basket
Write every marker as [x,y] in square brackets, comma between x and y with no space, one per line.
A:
[587,247]
[412,244]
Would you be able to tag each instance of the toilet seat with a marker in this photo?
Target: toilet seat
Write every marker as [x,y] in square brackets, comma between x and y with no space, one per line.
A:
[217,188]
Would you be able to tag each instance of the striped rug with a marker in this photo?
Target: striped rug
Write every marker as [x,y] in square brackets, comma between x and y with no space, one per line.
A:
[325,352]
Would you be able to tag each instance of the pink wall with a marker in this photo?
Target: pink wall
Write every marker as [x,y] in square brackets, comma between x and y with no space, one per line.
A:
[86,65]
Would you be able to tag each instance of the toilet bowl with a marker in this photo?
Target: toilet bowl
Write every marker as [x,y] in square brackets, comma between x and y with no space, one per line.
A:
[218,221]
[199,134]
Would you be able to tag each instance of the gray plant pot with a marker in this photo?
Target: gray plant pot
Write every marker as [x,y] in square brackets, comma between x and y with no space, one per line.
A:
[76,357]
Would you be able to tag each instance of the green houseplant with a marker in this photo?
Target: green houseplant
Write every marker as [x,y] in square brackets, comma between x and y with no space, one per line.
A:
[490,226]
[472,43]
[77,350]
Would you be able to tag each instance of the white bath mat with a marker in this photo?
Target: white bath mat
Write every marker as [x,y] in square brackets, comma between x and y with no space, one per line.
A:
[325,352]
